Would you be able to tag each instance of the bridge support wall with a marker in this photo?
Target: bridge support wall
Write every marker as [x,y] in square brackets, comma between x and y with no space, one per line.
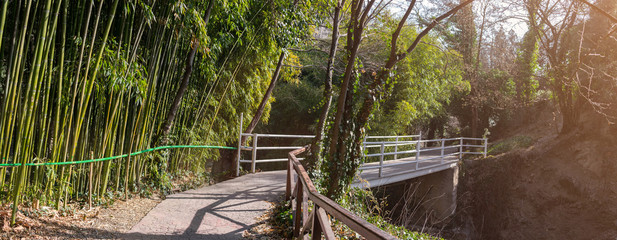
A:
[430,197]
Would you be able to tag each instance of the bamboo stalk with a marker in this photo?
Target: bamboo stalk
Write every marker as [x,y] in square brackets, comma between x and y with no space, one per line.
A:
[28,110]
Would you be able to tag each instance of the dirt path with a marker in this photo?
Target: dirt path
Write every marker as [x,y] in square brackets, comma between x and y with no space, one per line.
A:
[221,211]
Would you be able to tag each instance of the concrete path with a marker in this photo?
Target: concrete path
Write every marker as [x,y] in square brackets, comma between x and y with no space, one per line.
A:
[220,211]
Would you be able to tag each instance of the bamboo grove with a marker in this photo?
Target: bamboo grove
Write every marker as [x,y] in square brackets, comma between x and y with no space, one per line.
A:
[83,79]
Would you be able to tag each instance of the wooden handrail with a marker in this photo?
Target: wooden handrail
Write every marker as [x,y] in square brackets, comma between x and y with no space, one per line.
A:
[318,222]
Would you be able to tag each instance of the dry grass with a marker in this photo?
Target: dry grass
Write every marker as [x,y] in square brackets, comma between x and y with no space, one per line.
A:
[75,222]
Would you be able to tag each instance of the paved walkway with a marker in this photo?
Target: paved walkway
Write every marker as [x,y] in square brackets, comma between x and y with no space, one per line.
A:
[220,211]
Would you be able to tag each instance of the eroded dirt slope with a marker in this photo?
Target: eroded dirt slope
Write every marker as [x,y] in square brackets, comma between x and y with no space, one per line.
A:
[562,187]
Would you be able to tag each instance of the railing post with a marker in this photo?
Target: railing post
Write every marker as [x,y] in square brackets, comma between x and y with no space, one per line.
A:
[254,155]
[288,186]
[419,142]
[460,151]
[381,158]
[443,142]
[239,146]
[418,149]
[298,215]
[316,224]
[305,208]
[396,148]
[485,146]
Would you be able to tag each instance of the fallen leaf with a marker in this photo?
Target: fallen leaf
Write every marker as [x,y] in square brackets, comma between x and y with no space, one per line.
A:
[6,227]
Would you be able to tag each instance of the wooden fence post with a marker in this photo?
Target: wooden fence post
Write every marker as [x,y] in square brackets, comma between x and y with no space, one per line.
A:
[316,224]
[298,215]
[288,186]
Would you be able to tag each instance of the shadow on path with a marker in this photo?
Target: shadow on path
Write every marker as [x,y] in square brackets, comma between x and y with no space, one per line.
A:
[221,211]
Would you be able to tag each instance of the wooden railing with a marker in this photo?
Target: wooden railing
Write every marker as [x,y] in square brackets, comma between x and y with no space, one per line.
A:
[317,221]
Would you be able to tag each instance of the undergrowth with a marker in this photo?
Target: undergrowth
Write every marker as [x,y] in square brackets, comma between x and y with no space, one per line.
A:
[276,223]
[359,201]
[506,145]
[363,203]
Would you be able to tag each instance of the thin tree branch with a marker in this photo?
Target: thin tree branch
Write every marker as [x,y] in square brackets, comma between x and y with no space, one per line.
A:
[431,26]
[594,7]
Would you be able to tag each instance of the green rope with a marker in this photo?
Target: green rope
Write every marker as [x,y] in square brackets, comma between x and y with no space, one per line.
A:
[114,157]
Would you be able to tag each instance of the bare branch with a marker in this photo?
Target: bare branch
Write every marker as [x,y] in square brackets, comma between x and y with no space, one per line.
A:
[431,26]
[594,7]
[397,32]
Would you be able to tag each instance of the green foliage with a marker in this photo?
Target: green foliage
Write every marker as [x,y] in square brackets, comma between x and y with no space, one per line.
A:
[424,84]
[293,100]
[526,67]
[283,219]
[363,203]
[117,75]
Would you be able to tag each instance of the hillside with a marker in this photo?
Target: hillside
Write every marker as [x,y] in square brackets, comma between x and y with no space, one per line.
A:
[560,187]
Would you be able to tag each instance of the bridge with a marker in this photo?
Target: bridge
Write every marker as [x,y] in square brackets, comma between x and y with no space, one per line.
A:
[228,209]
[387,159]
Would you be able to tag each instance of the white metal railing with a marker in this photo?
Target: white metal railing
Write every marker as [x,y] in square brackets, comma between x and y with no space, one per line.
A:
[413,155]
[254,148]
[398,144]
[445,147]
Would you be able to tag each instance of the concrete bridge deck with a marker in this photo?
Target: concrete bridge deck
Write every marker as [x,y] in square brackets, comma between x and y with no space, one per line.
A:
[406,168]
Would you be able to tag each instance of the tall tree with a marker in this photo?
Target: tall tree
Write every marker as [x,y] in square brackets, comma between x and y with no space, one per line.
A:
[184,82]
[321,124]
[558,38]
[466,41]
[527,60]
[343,154]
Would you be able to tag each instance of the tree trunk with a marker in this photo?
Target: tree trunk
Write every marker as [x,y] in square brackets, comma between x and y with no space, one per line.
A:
[336,154]
[264,100]
[566,106]
[354,36]
[173,109]
[321,125]
[260,109]
[171,114]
